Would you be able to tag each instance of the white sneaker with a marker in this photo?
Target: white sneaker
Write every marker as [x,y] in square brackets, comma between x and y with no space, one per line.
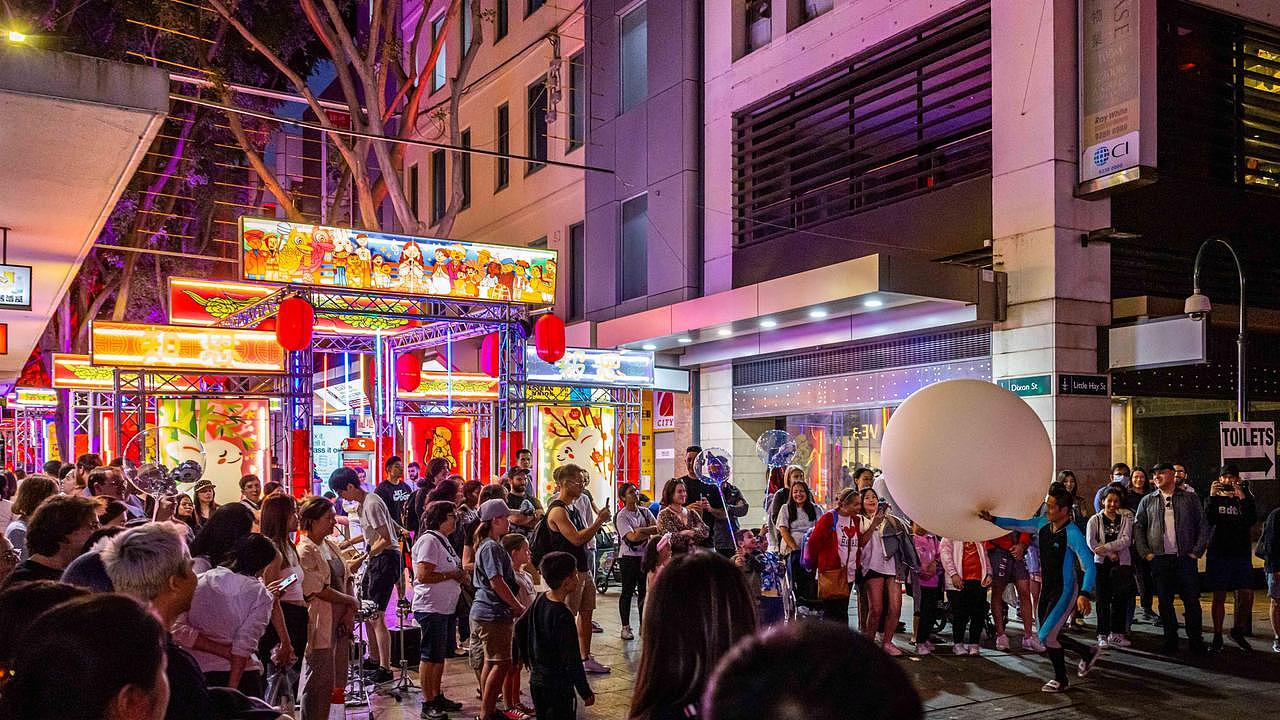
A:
[923,649]
[960,649]
[975,650]
[1053,686]
[1102,642]
[1032,643]
[591,665]
[1002,642]
[1118,640]
[627,634]
[891,649]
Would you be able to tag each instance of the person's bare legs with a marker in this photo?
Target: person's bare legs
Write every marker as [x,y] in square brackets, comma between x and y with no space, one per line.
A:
[1026,608]
[584,633]
[1275,619]
[997,604]
[1219,611]
[874,595]
[511,687]
[892,609]
[495,674]
[379,641]
[430,673]
[1242,611]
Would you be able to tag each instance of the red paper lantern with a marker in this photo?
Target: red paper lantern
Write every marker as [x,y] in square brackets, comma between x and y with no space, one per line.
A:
[490,349]
[548,337]
[408,372]
[295,322]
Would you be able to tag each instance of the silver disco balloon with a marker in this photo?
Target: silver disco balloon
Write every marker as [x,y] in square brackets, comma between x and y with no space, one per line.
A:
[713,466]
[148,457]
[775,448]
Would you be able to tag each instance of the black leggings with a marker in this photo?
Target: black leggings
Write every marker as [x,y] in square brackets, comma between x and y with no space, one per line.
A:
[295,623]
[1114,597]
[927,608]
[633,582]
[968,609]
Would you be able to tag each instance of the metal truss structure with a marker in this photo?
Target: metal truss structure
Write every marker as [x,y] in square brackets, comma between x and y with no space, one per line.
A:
[628,405]
[83,407]
[28,439]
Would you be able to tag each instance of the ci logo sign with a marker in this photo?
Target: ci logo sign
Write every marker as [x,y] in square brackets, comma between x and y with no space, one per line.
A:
[1105,153]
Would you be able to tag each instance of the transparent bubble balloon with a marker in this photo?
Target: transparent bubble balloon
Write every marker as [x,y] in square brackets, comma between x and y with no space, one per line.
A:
[775,448]
[713,466]
[159,459]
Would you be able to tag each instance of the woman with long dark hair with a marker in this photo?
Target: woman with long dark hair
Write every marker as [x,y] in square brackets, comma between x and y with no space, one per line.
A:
[279,520]
[886,555]
[185,511]
[677,657]
[684,525]
[205,506]
[32,491]
[69,666]
[1139,487]
[798,515]
[212,545]
[330,608]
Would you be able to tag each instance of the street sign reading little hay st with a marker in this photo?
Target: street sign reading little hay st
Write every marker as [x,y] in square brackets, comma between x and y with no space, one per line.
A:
[1095,385]
[1030,386]
[1251,447]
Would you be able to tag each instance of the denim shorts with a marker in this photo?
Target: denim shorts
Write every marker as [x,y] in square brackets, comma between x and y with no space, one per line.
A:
[1273,585]
[435,635]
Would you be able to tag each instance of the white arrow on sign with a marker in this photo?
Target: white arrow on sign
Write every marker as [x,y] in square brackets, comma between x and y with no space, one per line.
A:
[1251,447]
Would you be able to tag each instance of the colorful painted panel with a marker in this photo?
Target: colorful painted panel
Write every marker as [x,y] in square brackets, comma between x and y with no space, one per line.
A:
[579,435]
[589,366]
[235,433]
[172,346]
[201,302]
[279,251]
[459,386]
[440,437]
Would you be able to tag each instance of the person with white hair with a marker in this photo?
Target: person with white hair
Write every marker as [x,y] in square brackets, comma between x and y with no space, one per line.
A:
[152,564]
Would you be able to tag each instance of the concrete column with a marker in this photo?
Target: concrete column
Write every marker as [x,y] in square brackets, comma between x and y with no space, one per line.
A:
[1059,291]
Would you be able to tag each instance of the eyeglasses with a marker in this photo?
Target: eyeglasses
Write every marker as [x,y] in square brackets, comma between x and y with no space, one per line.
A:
[1168,502]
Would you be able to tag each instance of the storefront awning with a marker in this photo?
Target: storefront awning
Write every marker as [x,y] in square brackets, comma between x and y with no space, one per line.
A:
[72,131]
[872,296]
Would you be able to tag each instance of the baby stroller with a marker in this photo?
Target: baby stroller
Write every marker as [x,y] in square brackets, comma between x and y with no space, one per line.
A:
[606,559]
[800,586]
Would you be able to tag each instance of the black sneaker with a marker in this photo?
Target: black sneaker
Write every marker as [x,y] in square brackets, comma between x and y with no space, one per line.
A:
[1237,634]
[444,703]
[1216,644]
[368,665]
[379,676]
[431,712]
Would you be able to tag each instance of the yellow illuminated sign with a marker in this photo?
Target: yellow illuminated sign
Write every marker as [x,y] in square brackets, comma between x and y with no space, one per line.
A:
[459,386]
[175,347]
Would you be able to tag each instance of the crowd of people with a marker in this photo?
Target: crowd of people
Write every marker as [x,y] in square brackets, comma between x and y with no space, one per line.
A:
[250,608]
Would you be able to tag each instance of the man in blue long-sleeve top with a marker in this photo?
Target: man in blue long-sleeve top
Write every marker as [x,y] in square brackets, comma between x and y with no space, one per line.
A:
[1062,549]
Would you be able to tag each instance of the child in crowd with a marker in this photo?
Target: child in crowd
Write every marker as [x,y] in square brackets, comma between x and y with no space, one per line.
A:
[546,640]
[763,570]
[928,589]
[517,546]
[968,574]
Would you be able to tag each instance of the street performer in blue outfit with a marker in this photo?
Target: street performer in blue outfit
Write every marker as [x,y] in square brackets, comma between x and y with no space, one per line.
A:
[1062,549]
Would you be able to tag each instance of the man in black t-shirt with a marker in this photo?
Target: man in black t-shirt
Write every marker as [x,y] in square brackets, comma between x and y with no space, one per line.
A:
[393,490]
[1231,513]
[701,497]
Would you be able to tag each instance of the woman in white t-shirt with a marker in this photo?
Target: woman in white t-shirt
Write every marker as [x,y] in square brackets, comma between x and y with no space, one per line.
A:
[331,608]
[437,572]
[636,525]
[796,517]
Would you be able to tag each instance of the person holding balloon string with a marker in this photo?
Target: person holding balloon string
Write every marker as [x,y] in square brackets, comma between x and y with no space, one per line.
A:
[1062,548]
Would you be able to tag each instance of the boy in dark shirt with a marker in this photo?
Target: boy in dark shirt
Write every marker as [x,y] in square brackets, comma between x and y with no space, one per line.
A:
[546,640]
[1231,513]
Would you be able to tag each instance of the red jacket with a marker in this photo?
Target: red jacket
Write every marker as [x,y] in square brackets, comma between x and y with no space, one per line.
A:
[822,551]
[1007,541]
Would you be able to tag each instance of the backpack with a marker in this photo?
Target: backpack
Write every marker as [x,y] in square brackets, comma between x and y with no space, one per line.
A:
[540,542]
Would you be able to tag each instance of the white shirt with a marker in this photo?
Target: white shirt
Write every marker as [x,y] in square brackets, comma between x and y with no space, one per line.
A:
[873,557]
[230,608]
[442,597]
[628,521]
[847,544]
[374,516]
[1170,531]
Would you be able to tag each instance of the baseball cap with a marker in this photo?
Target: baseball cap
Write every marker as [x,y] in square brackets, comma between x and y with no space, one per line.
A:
[1161,466]
[493,509]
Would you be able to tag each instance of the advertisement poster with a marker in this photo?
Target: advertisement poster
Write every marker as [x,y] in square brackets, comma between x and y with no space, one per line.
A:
[811,443]
[579,435]
[15,287]
[326,449]
[235,434]
[440,437]
[279,251]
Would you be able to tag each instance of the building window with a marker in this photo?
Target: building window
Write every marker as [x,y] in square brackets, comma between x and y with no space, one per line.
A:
[633,256]
[438,70]
[413,189]
[438,183]
[530,6]
[465,24]
[577,101]
[500,20]
[540,243]
[537,124]
[577,272]
[907,117]
[465,160]
[503,170]
[635,57]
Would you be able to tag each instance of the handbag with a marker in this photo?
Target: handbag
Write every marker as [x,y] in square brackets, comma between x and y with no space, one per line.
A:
[281,690]
[833,584]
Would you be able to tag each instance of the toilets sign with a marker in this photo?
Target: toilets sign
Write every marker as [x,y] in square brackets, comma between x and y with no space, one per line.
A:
[1251,447]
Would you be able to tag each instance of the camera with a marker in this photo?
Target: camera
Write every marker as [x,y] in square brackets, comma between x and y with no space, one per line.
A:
[1197,307]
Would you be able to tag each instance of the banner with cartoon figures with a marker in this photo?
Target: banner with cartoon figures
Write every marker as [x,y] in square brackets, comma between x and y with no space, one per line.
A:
[579,435]
[235,434]
[429,438]
[279,251]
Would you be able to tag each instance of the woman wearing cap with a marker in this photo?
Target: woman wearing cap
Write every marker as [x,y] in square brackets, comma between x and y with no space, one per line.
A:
[495,607]
[205,506]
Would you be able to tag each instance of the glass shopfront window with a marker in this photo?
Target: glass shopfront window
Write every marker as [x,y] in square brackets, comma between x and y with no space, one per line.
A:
[831,446]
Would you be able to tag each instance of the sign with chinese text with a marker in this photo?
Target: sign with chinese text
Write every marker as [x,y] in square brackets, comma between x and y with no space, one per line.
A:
[15,287]
[202,302]
[278,251]
[74,372]
[1117,93]
[588,366]
[459,386]
[34,397]
[172,347]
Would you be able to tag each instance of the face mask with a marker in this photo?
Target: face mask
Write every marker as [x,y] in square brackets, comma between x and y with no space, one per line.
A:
[1120,479]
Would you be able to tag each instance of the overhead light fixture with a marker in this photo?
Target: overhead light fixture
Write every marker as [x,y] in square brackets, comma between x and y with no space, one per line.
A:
[648,346]
[872,303]
[15,36]
[768,323]
[724,332]
[684,341]
[817,313]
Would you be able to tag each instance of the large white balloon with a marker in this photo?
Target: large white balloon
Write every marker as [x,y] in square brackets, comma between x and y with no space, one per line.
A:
[960,446]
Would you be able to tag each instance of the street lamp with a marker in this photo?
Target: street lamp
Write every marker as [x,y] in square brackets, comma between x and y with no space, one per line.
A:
[1198,306]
